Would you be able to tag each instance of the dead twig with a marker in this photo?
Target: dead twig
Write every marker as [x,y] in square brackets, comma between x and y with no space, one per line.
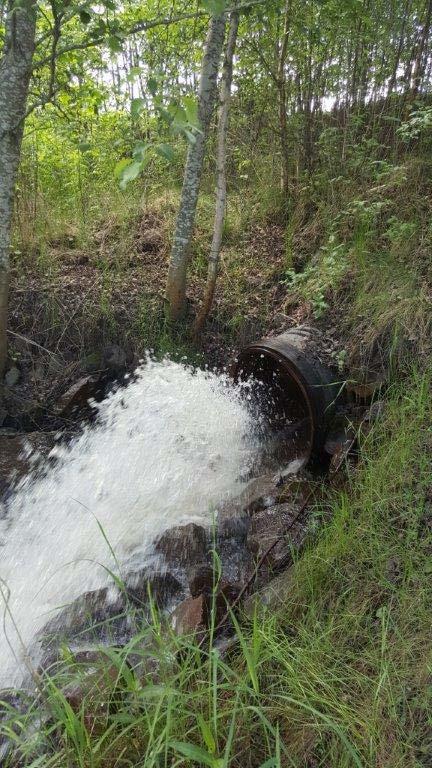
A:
[34,344]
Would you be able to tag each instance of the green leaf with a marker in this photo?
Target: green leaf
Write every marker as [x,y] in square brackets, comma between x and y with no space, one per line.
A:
[207,734]
[152,85]
[139,150]
[130,172]
[115,44]
[196,754]
[134,72]
[215,7]
[191,109]
[166,151]
[249,657]
[85,16]
[121,165]
[137,106]
[189,135]
[177,115]
[84,146]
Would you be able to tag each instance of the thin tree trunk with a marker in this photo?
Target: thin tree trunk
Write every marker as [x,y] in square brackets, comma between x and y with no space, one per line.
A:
[15,71]
[308,137]
[399,50]
[420,60]
[221,187]
[177,273]
[283,123]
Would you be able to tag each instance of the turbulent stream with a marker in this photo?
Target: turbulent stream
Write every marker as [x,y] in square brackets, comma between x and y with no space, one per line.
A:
[165,450]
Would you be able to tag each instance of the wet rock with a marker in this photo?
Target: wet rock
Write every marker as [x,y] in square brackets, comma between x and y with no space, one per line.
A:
[195,613]
[290,470]
[233,528]
[162,586]
[277,530]
[189,616]
[225,597]
[104,615]
[12,376]
[94,616]
[8,432]
[22,453]
[259,493]
[201,580]
[183,544]
[77,397]
[114,358]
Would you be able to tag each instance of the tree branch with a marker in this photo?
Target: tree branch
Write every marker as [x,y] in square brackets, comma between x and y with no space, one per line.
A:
[140,26]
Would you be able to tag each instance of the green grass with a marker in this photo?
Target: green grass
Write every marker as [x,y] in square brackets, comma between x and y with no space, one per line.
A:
[337,673]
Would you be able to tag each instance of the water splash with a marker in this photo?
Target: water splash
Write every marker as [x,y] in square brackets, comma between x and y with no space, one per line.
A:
[165,451]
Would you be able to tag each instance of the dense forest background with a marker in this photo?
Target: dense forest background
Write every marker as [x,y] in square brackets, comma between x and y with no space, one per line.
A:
[326,160]
[322,143]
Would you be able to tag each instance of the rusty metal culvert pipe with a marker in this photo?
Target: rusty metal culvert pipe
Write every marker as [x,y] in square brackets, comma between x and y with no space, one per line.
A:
[297,382]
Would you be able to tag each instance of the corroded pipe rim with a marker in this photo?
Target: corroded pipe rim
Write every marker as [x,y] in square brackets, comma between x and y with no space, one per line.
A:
[319,406]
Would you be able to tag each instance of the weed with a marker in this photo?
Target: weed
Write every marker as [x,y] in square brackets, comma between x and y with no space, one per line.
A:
[333,674]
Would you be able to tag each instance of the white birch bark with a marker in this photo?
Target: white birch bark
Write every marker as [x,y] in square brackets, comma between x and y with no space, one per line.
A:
[15,71]
[221,185]
[177,273]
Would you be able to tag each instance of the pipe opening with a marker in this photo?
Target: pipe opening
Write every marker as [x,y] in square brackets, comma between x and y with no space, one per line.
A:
[281,398]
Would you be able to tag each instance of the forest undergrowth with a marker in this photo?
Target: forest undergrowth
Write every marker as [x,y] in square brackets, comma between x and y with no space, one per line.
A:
[350,251]
[338,672]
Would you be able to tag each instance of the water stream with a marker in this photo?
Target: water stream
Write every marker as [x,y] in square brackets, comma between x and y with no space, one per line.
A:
[165,450]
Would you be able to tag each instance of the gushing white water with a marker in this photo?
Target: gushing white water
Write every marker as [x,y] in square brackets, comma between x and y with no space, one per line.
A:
[165,451]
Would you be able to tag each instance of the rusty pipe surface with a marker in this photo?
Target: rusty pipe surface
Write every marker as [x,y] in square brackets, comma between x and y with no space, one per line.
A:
[296,381]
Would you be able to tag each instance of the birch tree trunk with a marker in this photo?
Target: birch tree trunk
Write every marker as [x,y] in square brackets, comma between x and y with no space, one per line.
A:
[15,71]
[283,124]
[177,273]
[221,186]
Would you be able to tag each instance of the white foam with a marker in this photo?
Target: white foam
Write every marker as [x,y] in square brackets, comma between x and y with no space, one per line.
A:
[165,450]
